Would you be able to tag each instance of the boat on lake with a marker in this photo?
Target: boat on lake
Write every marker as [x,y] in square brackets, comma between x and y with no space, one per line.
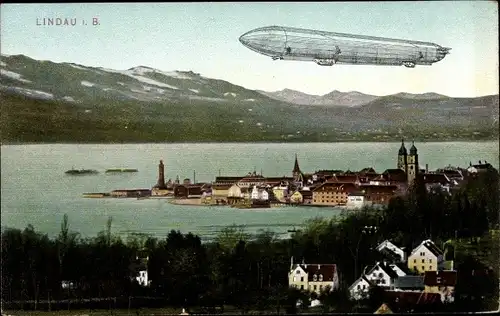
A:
[119,170]
[81,171]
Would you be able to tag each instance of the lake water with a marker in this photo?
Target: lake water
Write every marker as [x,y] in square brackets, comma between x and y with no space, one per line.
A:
[35,189]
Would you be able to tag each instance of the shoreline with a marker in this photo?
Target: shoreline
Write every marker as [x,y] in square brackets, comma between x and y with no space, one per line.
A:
[463,140]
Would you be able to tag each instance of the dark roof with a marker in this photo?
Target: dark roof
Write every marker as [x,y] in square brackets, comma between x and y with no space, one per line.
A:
[221,186]
[402,150]
[413,149]
[225,179]
[296,165]
[252,178]
[329,271]
[384,267]
[440,278]
[351,178]
[278,179]
[389,255]
[409,282]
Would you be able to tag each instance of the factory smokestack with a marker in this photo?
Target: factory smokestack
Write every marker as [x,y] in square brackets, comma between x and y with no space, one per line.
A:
[161,175]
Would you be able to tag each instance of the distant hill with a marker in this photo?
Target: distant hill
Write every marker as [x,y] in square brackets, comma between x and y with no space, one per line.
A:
[43,101]
[334,98]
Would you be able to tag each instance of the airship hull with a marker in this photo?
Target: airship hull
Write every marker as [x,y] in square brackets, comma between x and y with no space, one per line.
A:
[328,48]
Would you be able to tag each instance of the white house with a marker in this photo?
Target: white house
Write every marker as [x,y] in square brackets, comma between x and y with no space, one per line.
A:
[392,247]
[355,200]
[381,274]
[359,289]
[259,194]
[313,277]
[425,257]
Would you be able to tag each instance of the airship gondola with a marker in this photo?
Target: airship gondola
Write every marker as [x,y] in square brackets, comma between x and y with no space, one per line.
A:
[329,48]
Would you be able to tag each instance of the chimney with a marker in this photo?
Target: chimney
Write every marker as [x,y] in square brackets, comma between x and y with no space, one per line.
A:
[194,176]
[319,266]
[161,175]
[426,168]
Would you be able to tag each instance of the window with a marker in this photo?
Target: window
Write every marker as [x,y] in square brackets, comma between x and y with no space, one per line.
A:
[382,281]
[430,260]
[315,277]
[358,287]
[380,275]
[321,277]
[438,279]
[423,260]
[294,279]
[320,286]
[414,260]
[315,286]
[423,268]
[297,272]
[302,287]
[430,268]
[302,279]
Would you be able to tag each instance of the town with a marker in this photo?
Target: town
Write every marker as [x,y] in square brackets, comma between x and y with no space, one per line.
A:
[327,188]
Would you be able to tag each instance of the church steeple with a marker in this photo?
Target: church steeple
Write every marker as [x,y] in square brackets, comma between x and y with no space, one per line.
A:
[403,157]
[296,166]
[297,174]
[413,149]
[402,149]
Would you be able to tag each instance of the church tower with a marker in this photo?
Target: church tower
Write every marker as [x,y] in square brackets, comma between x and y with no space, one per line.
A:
[413,166]
[403,157]
[297,174]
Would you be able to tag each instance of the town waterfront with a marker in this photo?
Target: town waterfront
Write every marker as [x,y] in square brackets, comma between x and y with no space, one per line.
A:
[35,190]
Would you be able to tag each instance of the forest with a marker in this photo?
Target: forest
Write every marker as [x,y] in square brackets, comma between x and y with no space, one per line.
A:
[250,273]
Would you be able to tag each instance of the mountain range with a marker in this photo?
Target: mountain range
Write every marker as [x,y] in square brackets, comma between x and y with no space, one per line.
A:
[45,101]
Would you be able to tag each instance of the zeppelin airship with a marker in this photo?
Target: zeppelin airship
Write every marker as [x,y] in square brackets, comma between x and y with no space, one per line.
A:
[328,48]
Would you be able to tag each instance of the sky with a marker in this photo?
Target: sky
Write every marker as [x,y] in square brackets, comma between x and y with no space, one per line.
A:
[203,37]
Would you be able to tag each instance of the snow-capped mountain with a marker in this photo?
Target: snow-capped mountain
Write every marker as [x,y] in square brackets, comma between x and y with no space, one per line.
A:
[62,81]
